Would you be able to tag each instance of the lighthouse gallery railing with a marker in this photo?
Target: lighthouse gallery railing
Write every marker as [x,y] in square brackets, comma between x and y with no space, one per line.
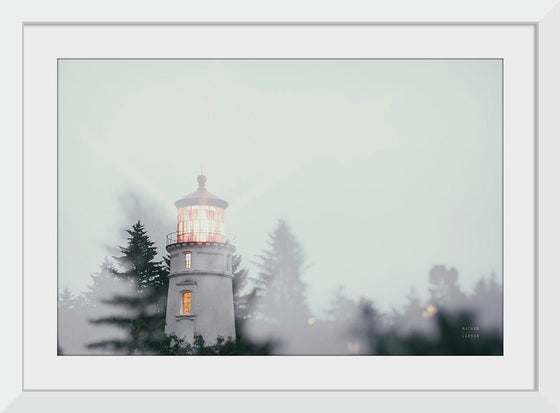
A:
[199,236]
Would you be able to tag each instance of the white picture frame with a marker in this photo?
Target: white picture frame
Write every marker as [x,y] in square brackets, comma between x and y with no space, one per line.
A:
[539,398]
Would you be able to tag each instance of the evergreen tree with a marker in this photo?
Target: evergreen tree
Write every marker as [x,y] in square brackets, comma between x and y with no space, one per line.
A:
[71,314]
[343,309]
[488,289]
[243,305]
[410,317]
[103,284]
[444,288]
[442,332]
[352,323]
[66,299]
[138,260]
[241,346]
[241,301]
[280,290]
[144,319]
[486,302]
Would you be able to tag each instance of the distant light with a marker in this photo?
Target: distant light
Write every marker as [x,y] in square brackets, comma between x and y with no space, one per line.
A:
[311,321]
[430,311]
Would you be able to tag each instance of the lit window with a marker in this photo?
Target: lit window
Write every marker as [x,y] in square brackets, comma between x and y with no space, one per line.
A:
[186,307]
[188,260]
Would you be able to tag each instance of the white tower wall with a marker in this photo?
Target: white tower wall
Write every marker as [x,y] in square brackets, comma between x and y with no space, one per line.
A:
[209,281]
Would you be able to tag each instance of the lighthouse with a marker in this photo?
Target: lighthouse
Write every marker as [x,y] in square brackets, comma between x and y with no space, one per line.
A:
[200,295]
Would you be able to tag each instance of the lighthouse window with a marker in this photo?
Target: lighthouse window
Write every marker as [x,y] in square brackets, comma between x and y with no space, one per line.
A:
[188,260]
[186,307]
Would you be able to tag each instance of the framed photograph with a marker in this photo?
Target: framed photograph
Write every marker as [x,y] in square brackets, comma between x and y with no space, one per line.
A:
[372,156]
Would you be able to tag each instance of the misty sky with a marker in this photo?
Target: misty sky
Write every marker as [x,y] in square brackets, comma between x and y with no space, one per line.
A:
[382,168]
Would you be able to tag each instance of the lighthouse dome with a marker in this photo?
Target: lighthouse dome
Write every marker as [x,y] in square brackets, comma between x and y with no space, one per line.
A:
[201,196]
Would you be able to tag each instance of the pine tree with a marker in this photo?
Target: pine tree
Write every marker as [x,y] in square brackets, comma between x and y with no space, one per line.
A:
[138,261]
[71,313]
[486,302]
[103,284]
[412,316]
[243,306]
[445,290]
[144,319]
[280,290]
[66,299]
[352,324]
[241,301]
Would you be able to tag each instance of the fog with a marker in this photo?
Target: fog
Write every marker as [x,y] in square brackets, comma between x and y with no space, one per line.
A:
[276,312]
[394,164]
[388,173]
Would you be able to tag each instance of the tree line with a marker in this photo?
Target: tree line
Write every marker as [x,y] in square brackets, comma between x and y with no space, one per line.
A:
[129,293]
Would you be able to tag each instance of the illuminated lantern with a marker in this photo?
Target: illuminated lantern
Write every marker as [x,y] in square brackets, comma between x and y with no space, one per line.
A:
[201,216]
[200,296]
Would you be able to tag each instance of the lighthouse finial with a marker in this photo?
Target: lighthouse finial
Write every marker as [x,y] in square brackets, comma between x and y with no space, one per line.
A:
[201,181]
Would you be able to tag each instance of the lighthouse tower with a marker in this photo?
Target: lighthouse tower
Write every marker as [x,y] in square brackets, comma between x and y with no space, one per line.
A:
[200,296]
